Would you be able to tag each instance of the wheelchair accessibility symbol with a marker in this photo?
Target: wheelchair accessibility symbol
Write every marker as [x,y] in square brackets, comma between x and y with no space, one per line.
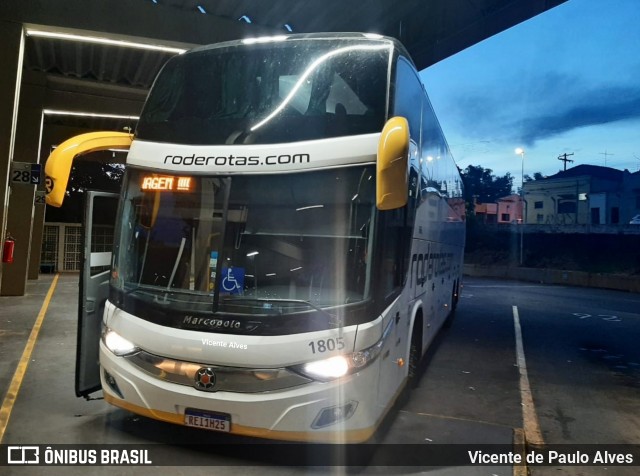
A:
[232,280]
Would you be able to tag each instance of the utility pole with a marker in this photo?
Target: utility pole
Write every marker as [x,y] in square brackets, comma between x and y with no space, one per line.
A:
[563,157]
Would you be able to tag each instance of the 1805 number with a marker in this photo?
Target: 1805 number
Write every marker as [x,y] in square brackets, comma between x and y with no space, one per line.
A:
[324,345]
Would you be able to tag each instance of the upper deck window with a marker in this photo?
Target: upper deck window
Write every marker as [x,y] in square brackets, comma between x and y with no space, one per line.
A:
[272,93]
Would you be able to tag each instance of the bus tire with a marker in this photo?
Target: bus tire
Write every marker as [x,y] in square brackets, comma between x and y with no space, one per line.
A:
[415,353]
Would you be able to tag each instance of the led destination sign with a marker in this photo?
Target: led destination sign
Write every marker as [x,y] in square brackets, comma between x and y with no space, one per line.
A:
[165,183]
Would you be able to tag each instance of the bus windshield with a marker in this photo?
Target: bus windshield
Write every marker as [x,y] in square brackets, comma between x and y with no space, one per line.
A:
[247,244]
[289,91]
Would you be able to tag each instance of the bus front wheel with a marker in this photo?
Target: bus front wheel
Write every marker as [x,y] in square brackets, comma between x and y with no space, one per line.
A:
[415,352]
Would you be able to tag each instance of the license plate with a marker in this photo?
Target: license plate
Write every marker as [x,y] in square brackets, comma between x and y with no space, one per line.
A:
[207,420]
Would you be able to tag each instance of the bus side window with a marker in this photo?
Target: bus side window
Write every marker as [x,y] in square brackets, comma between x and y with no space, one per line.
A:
[408,98]
[394,253]
[398,225]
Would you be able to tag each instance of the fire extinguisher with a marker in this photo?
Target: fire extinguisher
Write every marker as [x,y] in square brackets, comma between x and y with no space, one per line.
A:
[7,249]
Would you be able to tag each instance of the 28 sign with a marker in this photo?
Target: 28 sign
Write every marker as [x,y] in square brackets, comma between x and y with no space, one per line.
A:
[25,173]
[23,176]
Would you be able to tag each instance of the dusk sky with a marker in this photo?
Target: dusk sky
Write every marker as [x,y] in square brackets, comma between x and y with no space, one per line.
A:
[565,81]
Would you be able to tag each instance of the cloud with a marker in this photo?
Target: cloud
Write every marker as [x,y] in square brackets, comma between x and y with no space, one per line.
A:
[602,105]
[541,108]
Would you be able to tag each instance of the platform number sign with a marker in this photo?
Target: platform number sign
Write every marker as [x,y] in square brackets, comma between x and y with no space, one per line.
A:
[39,198]
[25,173]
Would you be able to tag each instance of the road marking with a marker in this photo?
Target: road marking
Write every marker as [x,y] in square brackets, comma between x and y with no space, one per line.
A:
[529,417]
[18,376]
[604,317]
[448,417]
[519,444]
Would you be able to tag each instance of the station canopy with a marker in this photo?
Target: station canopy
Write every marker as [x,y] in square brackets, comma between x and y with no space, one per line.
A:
[431,30]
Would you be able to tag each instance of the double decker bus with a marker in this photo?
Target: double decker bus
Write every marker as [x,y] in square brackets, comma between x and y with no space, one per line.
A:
[289,239]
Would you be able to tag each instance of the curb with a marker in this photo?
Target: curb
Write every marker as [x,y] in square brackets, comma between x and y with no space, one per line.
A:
[556,276]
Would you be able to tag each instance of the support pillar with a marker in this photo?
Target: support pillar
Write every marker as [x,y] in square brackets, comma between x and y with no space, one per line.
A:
[11,54]
[28,143]
[21,212]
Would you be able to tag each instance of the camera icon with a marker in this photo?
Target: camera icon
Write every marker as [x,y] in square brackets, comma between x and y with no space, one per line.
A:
[23,454]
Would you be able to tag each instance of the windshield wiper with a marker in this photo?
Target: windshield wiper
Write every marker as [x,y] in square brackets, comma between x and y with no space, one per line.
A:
[158,290]
[333,319]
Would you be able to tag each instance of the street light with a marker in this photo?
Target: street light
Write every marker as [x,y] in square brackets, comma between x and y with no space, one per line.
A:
[520,152]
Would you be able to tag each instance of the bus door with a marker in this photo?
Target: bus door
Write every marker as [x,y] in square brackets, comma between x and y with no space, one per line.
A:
[98,226]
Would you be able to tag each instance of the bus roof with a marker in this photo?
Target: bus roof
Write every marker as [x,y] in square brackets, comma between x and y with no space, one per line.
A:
[306,36]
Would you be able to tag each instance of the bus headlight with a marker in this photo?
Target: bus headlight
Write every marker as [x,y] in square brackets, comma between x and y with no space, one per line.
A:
[328,369]
[118,344]
[339,365]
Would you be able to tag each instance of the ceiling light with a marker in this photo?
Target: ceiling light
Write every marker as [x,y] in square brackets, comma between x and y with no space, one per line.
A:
[264,39]
[245,18]
[55,112]
[201,8]
[103,41]
[309,207]
[288,27]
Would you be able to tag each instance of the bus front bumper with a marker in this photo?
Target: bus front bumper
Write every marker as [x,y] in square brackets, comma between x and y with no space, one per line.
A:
[341,411]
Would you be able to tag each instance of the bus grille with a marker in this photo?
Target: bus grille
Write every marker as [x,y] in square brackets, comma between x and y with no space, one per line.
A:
[227,379]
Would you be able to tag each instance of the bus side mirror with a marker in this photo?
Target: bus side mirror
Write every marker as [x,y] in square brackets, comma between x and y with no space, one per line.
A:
[58,166]
[392,169]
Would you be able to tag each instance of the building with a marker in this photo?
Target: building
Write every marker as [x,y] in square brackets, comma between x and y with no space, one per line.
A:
[630,200]
[583,195]
[506,210]
[510,209]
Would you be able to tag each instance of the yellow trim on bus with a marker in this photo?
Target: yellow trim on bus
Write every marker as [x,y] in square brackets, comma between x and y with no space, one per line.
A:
[58,166]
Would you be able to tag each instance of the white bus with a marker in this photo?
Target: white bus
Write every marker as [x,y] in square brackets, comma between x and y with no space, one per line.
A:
[289,239]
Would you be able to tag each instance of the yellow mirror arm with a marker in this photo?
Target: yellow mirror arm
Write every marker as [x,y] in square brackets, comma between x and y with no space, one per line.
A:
[58,166]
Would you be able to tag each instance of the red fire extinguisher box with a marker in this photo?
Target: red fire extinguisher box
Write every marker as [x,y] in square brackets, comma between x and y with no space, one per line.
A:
[7,250]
